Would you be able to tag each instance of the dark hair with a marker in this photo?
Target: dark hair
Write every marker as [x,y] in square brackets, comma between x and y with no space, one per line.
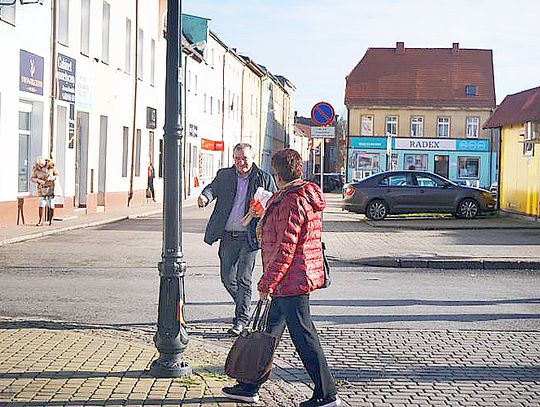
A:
[287,163]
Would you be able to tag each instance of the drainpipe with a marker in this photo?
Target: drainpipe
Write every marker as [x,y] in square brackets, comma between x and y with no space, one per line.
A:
[223,110]
[347,145]
[135,85]
[53,76]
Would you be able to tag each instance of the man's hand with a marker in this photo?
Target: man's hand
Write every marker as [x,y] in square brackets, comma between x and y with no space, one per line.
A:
[202,201]
[253,213]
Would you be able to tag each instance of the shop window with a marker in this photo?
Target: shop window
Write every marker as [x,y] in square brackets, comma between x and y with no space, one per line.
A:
[415,162]
[443,127]
[391,125]
[417,126]
[207,165]
[366,128]
[472,127]
[468,167]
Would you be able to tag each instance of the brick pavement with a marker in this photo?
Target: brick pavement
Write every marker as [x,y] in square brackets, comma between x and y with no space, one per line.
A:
[382,367]
[95,367]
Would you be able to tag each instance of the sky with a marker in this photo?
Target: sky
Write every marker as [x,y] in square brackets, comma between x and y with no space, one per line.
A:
[317,43]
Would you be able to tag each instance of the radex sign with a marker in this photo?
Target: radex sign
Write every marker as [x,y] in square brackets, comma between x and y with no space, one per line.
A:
[424,144]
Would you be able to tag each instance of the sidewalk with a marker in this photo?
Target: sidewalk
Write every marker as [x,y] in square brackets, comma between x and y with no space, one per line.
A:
[58,364]
[21,233]
[433,242]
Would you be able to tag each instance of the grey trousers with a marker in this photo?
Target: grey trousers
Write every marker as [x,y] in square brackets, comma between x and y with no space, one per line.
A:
[237,261]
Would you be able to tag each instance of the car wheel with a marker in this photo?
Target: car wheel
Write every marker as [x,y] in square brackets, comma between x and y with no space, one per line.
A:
[468,209]
[377,210]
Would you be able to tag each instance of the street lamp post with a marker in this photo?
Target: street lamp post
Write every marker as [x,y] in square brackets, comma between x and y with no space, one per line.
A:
[171,337]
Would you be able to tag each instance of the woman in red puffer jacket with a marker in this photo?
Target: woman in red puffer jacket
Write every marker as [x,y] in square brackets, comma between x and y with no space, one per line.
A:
[292,256]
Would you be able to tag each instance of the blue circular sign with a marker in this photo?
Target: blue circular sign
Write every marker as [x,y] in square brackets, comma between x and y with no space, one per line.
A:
[322,114]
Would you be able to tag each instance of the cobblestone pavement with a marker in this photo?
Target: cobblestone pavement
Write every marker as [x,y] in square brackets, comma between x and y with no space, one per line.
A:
[67,366]
[378,367]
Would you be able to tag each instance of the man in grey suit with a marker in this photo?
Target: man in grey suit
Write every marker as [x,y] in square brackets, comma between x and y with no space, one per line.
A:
[234,188]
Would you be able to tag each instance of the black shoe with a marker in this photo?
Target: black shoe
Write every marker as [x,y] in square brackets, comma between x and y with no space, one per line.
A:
[332,401]
[236,329]
[236,392]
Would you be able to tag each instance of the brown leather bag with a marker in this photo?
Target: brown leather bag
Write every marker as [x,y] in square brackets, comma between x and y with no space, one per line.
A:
[250,357]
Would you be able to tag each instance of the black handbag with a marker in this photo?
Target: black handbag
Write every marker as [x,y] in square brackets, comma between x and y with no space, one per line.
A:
[250,358]
[326,267]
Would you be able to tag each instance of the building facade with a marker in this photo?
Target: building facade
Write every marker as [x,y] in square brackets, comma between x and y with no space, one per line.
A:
[90,94]
[517,120]
[420,108]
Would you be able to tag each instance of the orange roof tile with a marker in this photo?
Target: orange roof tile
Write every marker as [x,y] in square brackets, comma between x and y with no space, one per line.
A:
[517,108]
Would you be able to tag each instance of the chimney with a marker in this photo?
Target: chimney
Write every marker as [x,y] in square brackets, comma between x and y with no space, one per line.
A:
[400,48]
[455,48]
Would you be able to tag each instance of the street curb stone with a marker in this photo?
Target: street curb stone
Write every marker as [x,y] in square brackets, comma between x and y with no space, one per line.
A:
[448,264]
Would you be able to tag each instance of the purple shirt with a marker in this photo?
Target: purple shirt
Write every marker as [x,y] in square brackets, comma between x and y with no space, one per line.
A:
[234,223]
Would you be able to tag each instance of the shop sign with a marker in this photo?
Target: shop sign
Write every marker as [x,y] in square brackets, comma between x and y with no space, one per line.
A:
[31,73]
[368,142]
[212,145]
[193,130]
[151,117]
[66,73]
[472,145]
[424,144]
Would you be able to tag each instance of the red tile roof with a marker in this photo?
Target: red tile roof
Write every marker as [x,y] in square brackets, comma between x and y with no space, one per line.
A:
[422,77]
[517,108]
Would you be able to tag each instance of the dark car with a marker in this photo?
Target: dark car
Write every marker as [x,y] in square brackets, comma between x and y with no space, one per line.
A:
[414,192]
[333,181]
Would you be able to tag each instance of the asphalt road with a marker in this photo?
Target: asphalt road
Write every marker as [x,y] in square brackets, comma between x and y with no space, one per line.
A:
[108,275]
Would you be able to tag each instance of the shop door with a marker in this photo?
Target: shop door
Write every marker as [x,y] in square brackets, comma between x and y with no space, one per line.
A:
[24,157]
[81,160]
[441,165]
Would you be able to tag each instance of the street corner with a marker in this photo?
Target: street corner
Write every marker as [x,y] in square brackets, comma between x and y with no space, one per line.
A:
[53,366]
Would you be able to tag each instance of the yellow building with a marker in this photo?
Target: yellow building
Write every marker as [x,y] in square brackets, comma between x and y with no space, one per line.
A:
[518,121]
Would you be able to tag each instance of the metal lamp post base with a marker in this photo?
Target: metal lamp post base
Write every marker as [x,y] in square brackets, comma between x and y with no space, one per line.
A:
[165,368]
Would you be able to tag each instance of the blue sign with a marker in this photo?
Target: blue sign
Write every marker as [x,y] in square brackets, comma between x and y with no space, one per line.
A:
[368,142]
[31,73]
[322,114]
[472,145]
[66,67]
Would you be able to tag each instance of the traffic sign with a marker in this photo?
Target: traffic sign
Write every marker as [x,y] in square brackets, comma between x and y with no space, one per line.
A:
[323,132]
[322,114]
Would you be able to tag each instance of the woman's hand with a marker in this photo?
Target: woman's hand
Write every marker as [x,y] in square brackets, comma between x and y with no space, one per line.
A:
[264,296]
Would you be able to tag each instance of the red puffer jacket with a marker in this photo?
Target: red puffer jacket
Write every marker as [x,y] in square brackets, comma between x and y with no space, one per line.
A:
[291,241]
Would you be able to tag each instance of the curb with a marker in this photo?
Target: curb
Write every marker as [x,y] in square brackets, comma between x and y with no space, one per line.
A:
[67,228]
[450,264]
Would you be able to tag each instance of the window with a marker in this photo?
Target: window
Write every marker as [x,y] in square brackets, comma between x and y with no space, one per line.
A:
[218,106]
[417,126]
[443,127]
[140,59]
[161,162]
[470,90]
[105,29]
[207,165]
[391,125]
[212,57]
[468,167]
[125,152]
[415,162]
[366,128]
[195,88]
[428,182]
[188,84]
[472,127]
[204,103]
[251,105]
[151,147]
[397,180]
[152,62]
[138,140]
[7,14]
[211,105]
[63,22]
[85,27]
[127,48]
[25,127]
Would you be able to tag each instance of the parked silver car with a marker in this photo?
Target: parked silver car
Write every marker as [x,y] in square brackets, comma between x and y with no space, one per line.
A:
[397,192]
